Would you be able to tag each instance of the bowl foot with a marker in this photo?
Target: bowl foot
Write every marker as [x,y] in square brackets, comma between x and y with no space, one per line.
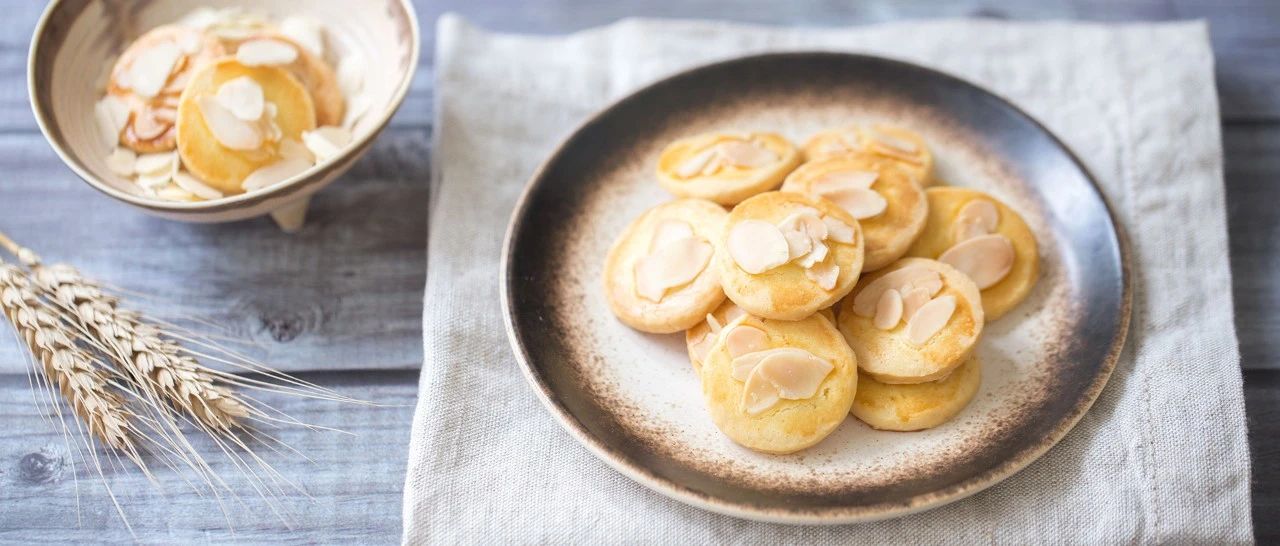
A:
[290,217]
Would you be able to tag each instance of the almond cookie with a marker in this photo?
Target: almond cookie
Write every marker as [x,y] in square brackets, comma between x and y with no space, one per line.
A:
[726,167]
[269,49]
[986,240]
[701,337]
[779,386]
[896,143]
[918,406]
[234,120]
[911,322]
[886,201]
[658,275]
[147,81]
[785,256]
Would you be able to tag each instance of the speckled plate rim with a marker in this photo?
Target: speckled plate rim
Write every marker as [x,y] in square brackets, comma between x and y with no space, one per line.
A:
[289,186]
[826,516]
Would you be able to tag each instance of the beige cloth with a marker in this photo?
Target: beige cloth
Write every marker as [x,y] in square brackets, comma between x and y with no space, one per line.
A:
[1161,457]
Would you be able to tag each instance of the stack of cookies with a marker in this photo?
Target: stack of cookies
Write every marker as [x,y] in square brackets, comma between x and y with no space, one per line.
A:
[840,279]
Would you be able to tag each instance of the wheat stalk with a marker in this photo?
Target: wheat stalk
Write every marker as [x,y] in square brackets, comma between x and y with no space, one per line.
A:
[79,377]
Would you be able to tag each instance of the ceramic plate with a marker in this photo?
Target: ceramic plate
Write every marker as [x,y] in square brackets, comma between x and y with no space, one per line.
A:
[634,400]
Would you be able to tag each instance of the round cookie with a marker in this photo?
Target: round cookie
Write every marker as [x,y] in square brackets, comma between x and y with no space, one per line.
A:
[886,201]
[911,322]
[701,337]
[919,406]
[151,126]
[947,210]
[213,162]
[726,167]
[320,80]
[785,256]
[659,275]
[779,386]
[896,143]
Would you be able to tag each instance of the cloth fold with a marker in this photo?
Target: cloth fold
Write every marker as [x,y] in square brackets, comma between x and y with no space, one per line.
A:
[1161,457]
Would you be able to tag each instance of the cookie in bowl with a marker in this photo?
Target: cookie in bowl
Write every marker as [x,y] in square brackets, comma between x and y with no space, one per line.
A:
[886,201]
[779,386]
[916,406]
[726,167]
[659,275]
[984,238]
[896,143]
[914,321]
[785,255]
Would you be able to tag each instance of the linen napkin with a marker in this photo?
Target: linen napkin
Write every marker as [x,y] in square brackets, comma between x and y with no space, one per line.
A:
[1161,457]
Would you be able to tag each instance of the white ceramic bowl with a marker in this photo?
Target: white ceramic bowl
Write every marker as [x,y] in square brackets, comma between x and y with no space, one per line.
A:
[76,40]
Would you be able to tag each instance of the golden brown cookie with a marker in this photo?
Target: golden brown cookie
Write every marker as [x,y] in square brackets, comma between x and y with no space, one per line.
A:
[232,119]
[726,167]
[785,256]
[897,143]
[983,237]
[911,322]
[314,73]
[148,79]
[886,201]
[918,406]
[659,275]
[779,386]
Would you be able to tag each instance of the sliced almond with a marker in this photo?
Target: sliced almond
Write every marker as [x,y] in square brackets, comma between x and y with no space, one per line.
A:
[266,52]
[701,348]
[931,285]
[757,246]
[227,129]
[758,395]
[824,274]
[122,161]
[273,173]
[675,264]
[986,259]
[897,143]
[146,126]
[981,211]
[864,303]
[306,31]
[292,149]
[243,97]
[174,193]
[745,364]
[838,231]
[669,231]
[733,313]
[196,187]
[693,166]
[798,243]
[913,298]
[931,318]
[745,154]
[112,114]
[795,374]
[889,310]
[743,340]
[326,142]
[806,221]
[154,181]
[150,70]
[154,164]
[815,256]
[860,203]
[351,74]
[843,180]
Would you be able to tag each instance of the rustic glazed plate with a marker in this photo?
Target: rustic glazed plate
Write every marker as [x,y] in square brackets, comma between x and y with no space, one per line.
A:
[633,398]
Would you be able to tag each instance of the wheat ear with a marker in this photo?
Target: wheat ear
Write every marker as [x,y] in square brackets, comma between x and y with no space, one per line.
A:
[79,378]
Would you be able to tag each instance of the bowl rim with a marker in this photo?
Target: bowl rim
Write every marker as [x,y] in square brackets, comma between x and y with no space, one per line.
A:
[45,120]
[643,475]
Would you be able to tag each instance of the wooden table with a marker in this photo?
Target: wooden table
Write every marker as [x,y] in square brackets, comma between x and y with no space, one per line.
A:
[340,302]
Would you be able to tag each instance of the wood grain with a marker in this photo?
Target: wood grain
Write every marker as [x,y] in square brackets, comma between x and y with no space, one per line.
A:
[354,481]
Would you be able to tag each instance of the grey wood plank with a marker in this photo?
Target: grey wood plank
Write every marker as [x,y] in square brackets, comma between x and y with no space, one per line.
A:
[355,481]
[343,293]
[1262,403]
[1253,221]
